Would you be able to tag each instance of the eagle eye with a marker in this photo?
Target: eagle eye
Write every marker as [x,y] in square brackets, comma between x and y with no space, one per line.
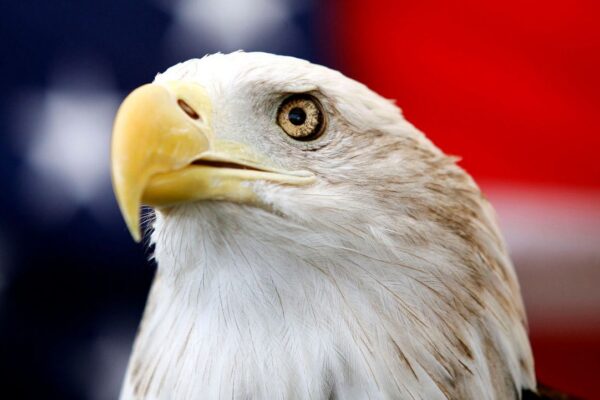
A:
[301,117]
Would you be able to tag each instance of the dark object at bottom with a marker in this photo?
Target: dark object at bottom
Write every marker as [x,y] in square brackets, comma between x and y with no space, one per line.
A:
[546,393]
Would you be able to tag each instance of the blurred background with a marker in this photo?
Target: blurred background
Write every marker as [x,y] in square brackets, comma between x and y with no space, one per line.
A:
[512,87]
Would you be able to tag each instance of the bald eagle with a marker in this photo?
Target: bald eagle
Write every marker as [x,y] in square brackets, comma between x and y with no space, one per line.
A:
[311,244]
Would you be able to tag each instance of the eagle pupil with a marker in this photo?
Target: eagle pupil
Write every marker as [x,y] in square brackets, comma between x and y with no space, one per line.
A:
[297,116]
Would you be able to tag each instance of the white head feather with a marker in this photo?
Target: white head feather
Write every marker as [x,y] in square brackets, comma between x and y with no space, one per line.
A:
[386,279]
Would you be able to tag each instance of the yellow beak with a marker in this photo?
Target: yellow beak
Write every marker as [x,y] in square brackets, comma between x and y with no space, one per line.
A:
[164,152]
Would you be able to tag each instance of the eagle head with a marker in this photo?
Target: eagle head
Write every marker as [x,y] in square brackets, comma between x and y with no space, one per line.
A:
[310,242]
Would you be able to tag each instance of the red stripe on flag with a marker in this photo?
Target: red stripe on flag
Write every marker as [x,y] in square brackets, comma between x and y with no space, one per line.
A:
[512,87]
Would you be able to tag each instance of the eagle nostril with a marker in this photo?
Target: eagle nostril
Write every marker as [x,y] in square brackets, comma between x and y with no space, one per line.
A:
[188,109]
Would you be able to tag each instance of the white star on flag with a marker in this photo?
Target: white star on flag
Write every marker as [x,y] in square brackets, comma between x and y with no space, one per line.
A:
[67,144]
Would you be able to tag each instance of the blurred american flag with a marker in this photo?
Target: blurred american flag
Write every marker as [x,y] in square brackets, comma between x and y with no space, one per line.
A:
[513,88]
